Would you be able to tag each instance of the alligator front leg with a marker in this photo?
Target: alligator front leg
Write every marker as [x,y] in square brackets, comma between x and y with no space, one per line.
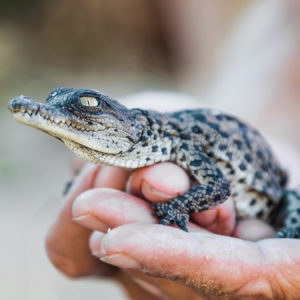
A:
[213,190]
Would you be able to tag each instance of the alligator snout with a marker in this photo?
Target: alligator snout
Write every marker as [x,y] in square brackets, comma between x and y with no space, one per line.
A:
[23,104]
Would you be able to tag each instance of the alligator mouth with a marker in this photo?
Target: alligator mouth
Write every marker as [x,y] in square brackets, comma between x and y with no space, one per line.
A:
[41,116]
[55,123]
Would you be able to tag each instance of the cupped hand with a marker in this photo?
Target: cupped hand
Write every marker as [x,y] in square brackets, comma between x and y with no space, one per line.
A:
[162,262]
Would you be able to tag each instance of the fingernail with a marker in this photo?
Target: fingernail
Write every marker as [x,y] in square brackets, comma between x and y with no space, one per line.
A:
[150,193]
[121,260]
[91,222]
[211,212]
[95,242]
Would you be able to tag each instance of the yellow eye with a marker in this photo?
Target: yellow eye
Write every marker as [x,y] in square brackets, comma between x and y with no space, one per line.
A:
[88,101]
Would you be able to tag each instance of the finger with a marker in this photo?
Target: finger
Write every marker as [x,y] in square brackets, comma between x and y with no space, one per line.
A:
[165,181]
[220,219]
[160,182]
[103,208]
[112,177]
[254,230]
[142,285]
[66,241]
[107,176]
[212,264]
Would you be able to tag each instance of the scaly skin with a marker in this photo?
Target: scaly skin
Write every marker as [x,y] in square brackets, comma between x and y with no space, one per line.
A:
[223,154]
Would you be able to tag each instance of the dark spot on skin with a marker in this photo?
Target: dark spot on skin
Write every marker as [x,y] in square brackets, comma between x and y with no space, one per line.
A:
[220,117]
[294,220]
[238,144]
[154,148]
[154,137]
[164,150]
[270,203]
[148,159]
[149,118]
[230,118]
[207,136]
[234,194]
[242,180]
[229,155]
[252,202]
[149,132]
[91,123]
[228,166]
[144,138]
[185,136]
[248,158]
[214,126]
[196,129]
[175,205]
[183,158]
[245,130]
[225,186]
[204,158]
[242,167]
[258,175]
[130,139]
[138,152]
[260,213]
[195,163]
[173,125]
[298,211]
[224,134]
[200,117]
[217,198]
[131,149]
[219,173]
[232,172]
[173,150]
[259,154]
[223,147]
[210,154]
[184,146]
[159,122]
[209,189]
[166,134]
[145,144]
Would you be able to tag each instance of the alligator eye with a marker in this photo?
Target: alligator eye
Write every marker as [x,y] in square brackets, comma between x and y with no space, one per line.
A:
[89,101]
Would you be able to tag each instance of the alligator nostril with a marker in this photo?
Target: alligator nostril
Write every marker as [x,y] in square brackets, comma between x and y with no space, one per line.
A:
[13,105]
[17,103]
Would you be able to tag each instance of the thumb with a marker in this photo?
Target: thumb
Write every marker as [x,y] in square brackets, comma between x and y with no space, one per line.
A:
[211,264]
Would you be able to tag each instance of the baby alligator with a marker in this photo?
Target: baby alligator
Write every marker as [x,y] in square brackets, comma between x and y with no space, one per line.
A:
[227,157]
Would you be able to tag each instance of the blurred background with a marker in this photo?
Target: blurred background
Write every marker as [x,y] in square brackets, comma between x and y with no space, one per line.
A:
[239,56]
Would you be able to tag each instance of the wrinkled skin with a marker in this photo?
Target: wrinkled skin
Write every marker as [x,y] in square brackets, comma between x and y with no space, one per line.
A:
[158,262]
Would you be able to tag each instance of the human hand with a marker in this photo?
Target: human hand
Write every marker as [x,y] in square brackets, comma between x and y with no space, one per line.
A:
[198,264]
